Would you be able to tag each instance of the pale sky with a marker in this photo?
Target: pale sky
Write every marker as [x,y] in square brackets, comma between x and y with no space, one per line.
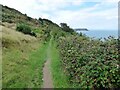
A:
[91,14]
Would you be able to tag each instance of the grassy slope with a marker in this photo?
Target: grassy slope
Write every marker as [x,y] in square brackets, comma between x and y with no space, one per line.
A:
[23,56]
[13,16]
[22,65]
[37,60]
[23,69]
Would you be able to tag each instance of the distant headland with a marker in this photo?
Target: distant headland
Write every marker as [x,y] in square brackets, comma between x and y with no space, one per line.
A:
[81,29]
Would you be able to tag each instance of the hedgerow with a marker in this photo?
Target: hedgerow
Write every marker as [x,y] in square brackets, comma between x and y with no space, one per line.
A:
[90,63]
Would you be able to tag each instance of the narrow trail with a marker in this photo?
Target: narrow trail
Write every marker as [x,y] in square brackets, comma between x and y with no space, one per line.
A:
[47,80]
[47,77]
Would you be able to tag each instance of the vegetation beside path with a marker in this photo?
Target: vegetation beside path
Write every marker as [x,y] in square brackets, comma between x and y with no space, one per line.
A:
[60,80]
[23,57]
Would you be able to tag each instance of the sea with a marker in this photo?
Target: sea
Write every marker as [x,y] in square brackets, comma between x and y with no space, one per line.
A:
[100,34]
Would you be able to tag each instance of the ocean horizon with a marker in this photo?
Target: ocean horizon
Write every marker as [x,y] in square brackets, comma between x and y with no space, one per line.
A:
[97,34]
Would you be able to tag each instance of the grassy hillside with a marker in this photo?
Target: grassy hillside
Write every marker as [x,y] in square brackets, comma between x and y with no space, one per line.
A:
[81,61]
[24,55]
[11,37]
[13,16]
[16,50]
[40,26]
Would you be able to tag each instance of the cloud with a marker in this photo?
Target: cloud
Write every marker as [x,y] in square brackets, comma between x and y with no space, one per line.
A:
[96,17]
[100,15]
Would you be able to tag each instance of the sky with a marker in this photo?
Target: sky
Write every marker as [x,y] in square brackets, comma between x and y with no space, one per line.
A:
[90,14]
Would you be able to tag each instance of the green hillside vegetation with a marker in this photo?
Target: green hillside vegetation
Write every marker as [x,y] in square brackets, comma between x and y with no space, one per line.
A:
[90,63]
[77,61]
[17,57]
[13,16]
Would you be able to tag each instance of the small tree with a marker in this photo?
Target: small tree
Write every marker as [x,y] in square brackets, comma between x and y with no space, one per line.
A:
[41,20]
[66,28]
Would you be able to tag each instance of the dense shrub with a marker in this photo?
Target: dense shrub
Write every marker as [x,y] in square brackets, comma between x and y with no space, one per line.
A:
[7,18]
[91,63]
[25,29]
[28,18]
[40,20]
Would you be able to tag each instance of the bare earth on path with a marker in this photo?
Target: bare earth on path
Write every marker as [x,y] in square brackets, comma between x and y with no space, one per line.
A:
[47,80]
[47,77]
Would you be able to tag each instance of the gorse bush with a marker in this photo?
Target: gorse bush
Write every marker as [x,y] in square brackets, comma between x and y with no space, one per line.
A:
[25,29]
[90,63]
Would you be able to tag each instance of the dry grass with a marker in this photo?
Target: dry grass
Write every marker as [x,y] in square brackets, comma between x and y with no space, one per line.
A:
[20,58]
[10,37]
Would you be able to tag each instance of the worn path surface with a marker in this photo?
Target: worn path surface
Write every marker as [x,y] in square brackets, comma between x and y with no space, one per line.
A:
[47,80]
[47,77]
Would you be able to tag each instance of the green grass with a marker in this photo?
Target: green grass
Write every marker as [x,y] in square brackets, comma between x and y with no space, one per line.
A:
[23,57]
[60,80]
[14,69]
[23,69]
[36,65]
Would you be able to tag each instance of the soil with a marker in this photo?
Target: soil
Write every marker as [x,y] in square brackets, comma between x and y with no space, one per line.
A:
[47,80]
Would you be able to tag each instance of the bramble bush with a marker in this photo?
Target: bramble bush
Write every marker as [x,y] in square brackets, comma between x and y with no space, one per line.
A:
[90,63]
